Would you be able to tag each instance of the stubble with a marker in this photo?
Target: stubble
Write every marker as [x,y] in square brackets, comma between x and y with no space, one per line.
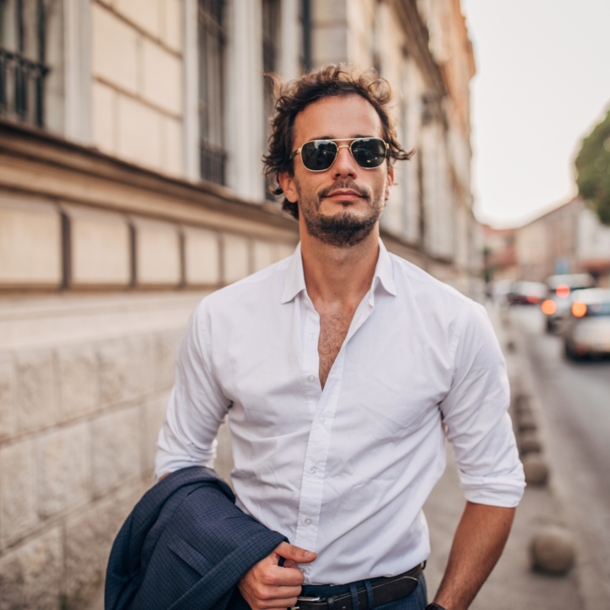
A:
[341,230]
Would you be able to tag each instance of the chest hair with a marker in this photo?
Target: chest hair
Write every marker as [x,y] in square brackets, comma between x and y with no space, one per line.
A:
[333,329]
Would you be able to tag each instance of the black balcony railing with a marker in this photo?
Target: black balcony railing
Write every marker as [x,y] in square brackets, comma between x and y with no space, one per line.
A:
[213,161]
[21,88]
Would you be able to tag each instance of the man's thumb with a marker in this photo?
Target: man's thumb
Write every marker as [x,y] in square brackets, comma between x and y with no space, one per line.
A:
[289,551]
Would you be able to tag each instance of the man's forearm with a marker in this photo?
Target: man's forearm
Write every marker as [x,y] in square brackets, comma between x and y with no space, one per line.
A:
[477,545]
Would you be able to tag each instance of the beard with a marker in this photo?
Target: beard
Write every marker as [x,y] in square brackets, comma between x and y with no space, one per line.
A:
[344,229]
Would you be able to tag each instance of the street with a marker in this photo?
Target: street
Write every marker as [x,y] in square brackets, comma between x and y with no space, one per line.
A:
[576,404]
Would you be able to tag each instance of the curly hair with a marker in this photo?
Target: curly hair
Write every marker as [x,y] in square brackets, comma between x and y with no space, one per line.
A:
[296,95]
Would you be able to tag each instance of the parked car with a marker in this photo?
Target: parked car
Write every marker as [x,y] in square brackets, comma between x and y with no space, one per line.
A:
[587,330]
[556,307]
[526,293]
[500,291]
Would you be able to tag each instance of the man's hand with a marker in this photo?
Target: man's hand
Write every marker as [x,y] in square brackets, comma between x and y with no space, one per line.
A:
[269,586]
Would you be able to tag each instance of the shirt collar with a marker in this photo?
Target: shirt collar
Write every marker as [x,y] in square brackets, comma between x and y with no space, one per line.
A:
[294,280]
[384,271]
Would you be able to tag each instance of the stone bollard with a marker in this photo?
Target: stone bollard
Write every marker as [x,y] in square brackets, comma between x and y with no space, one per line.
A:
[529,443]
[522,404]
[527,422]
[536,469]
[552,550]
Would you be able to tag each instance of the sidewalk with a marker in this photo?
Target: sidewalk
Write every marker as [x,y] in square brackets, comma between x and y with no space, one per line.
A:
[512,585]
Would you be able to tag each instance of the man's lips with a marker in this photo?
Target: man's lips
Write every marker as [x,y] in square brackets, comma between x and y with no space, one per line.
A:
[344,195]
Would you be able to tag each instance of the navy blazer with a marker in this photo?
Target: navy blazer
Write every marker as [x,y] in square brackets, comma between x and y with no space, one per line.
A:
[185,546]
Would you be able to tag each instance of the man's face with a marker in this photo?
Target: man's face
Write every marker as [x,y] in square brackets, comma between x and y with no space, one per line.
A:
[341,205]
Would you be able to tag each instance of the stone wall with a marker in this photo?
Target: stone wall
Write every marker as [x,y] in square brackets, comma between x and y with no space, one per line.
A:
[137,86]
[101,264]
[79,416]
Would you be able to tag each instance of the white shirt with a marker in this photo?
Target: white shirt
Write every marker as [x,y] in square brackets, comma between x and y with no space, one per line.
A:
[345,471]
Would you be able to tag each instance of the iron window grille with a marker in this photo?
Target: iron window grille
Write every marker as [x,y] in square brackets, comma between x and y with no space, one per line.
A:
[22,60]
[212,42]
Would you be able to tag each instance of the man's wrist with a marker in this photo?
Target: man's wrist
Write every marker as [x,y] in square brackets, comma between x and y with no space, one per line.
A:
[434,606]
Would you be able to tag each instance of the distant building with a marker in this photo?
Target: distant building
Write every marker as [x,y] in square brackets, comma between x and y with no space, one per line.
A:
[568,239]
[500,254]
[131,134]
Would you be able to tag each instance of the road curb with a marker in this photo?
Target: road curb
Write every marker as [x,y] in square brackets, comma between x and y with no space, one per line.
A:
[523,381]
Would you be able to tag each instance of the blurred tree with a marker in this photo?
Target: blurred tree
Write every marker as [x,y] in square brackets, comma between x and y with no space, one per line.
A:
[593,169]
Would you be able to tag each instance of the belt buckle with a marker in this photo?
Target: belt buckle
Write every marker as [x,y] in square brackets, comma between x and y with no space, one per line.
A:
[305,599]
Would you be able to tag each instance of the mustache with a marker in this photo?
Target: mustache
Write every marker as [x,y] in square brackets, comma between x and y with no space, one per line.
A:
[344,184]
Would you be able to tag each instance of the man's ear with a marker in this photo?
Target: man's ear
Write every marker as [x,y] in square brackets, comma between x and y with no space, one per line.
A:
[288,186]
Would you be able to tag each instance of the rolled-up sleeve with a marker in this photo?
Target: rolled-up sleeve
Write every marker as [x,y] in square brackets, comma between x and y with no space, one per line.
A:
[475,412]
[196,405]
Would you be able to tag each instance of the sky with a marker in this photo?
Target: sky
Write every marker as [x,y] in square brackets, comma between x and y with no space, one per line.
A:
[542,83]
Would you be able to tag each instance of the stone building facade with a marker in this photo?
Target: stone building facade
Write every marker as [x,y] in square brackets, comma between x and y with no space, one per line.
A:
[568,239]
[131,133]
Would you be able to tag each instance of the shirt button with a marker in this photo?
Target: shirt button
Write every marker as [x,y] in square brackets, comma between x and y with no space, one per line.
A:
[307,521]
[313,470]
[311,378]
[312,336]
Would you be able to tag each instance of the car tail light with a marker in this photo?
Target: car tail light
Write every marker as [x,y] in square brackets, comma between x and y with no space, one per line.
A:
[579,309]
[562,291]
[549,307]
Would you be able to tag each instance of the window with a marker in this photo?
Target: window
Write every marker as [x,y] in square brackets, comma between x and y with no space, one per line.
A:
[22,60]
[271,55]
[212,40]
[306,24]
[271,48]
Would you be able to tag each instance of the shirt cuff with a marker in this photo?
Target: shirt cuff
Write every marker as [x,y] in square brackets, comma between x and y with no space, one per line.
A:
[505,491]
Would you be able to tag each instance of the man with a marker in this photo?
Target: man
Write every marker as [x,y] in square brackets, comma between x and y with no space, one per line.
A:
[342,369]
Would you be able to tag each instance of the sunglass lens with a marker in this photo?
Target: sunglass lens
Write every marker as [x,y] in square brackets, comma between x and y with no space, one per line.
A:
[369,152]
[319,154]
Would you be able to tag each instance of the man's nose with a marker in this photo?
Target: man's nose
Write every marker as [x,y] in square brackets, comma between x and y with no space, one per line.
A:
[345,164]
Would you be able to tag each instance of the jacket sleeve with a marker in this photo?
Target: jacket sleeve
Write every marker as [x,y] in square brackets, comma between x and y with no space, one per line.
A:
[196,406]
[475,413]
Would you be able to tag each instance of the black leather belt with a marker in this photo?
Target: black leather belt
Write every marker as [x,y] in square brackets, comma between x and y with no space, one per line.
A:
[385,590]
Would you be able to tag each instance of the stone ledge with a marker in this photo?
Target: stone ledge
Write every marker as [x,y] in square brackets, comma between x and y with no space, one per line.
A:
[57,321]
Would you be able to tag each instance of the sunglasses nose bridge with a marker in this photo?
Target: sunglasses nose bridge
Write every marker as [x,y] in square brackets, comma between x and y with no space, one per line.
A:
[351,152]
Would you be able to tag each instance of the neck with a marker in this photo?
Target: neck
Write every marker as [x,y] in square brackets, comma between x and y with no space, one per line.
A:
[339,273]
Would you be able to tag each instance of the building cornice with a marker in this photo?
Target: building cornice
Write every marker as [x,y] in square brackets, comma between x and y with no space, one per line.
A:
[35,162]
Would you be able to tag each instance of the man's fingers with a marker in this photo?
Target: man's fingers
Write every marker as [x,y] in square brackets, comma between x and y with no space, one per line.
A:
[282,577]
[297,554]
[267,585]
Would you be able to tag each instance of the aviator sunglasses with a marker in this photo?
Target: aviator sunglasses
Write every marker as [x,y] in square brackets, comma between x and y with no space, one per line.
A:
[319,155]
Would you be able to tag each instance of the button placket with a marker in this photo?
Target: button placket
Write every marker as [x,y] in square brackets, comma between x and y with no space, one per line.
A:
[310,354]
[318,444]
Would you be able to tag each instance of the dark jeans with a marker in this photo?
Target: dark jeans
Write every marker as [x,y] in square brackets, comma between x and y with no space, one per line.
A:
[416,601]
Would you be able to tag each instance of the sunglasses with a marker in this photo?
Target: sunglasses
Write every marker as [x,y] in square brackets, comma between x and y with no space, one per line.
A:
[319,155]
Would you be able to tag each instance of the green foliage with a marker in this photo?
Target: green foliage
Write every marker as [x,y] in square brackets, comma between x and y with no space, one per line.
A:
[593,167]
